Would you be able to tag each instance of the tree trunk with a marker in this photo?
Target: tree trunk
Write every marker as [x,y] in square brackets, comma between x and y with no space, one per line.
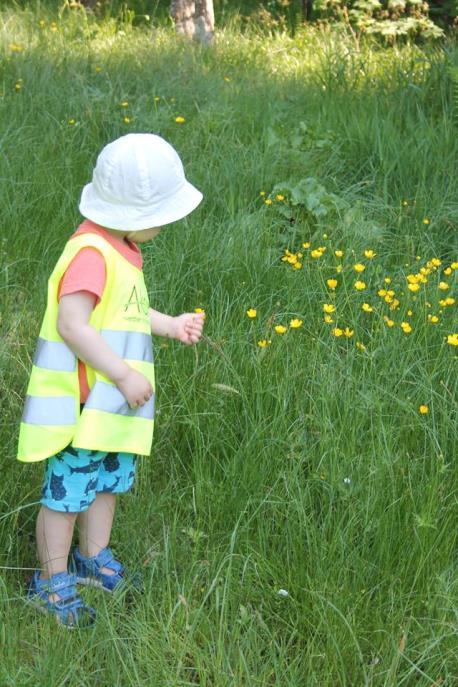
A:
[194,19]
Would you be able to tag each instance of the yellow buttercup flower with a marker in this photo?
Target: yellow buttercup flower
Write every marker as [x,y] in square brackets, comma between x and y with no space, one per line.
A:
[382,293]
[424,410]
[262,193]
[426,220]
[449,300]
[180,119]
[452,339]
[389,323]
[337,332]
[263,343]
[279,197]
[251,313]
[348,332]
[433,318]
[394,304]
[448,271]
[367,308]
[332,283]
[125,103]
[295,323]
[316,253]
[360,345]
[328,307]
[297,265]
[412,278]
[387,280]
[360,285]
[413,287]
[454,265]
[409,313]
[71,122]
[306,245]
[435,262]
[369,254]
[339,269]
[328,319]
[338,253]
[406,328]
[443,285]
[126,120]
[280,329]
[199,310]
[359,267]
[268,201]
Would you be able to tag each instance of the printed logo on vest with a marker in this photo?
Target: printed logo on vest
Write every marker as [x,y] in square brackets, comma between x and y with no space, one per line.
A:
[136,303]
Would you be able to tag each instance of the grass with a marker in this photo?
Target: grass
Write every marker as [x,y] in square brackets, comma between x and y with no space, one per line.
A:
[303,466]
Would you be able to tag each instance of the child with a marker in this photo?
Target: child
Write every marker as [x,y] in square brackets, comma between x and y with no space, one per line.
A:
[90,399]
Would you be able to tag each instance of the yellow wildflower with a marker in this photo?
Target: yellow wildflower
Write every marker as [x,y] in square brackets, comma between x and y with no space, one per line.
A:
[227,78]
[316,253]
[279,197]
[268,201]
[263,343]
[199,310]
[406,327]
[157,98]
[322,249]
[328,319]
[71,122]
[426,220]
[452,339]
[339,269]
[409,313]
[325,236]
[449,300]
[337,332]
[297,265]
[454,265]
[180,119]
[424,410]
[367,308]
[328,307]
[394,304]
[16,47]
[125,103]
[360,285]
[126,120]
[53,26]
[443,285]
[251,313]
[412,278]
[306,245]
[332,283]
[280,329]
[262,193]
[295,323]
[348,332]
[405,203]
[413,287]
[369,254]
[338,253]
[389,323]
[360,345]
[42,23]
[448,271]
[359,267]
[435,262]
[381,293]
[433,318]
[387,280]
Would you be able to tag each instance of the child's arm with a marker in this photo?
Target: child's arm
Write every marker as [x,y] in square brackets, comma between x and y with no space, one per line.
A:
[73,326]
[187,327]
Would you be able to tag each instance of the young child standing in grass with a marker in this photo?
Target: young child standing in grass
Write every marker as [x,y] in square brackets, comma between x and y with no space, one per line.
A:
[90,400]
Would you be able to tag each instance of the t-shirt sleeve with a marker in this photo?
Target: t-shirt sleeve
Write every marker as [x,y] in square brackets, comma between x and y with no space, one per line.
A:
[86,272]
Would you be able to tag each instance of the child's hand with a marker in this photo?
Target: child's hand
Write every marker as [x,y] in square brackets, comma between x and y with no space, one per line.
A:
[187,327]
[135,387]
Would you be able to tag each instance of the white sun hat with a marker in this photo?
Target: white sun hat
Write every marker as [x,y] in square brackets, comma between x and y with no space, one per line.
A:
[138,183]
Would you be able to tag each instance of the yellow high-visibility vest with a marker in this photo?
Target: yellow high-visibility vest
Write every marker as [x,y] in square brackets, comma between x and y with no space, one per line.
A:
[51,419]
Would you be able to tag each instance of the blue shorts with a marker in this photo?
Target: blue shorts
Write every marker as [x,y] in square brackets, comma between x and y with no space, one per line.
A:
[74,476]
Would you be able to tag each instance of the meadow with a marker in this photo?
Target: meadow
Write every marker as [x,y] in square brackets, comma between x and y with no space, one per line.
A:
[296,523]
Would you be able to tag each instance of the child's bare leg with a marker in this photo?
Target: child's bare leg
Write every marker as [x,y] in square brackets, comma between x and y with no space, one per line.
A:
[95,526]
[54,531]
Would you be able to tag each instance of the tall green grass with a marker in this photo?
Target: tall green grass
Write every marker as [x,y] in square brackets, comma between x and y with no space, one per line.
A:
[304,466]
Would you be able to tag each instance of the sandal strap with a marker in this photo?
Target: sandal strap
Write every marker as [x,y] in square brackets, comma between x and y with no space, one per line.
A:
[105,559]
[63,583]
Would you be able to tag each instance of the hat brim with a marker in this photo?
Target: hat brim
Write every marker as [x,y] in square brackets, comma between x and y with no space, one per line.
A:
[130,218]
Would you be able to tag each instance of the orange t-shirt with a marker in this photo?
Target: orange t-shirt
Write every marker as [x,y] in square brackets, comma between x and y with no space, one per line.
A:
[87,272]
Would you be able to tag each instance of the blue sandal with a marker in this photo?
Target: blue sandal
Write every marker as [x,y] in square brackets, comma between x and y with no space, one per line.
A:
[69,610]
[87,571]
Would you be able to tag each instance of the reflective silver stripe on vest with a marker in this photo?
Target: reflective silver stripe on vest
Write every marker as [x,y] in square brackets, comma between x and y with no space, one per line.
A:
[130,345]
[54,355]
[49,410]
[109,399]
